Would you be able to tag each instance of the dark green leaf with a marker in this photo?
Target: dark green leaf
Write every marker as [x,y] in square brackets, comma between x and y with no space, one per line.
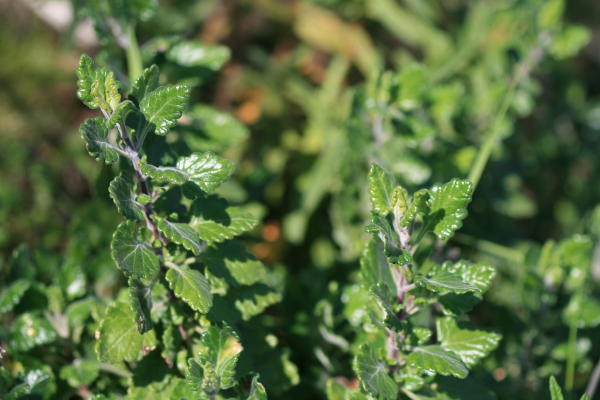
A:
[470,345]
[207,170]
[146,83]
[11,295]
[122,193]
[132,253]
[94,132]
[182,234]
[443,282]
[216,222]
[141,303]
[190,286]
[436,359]
[164,106]
[374,375]
[448,206]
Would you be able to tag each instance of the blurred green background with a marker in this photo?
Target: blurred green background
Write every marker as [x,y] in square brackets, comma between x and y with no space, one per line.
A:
[298,77]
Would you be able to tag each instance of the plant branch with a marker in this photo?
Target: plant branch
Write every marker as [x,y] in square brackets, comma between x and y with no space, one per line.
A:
[522,71]
[593,383]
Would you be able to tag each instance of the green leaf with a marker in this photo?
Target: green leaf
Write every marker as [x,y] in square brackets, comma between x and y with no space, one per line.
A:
[443,282]
[253,300]
[35,385]
[164,175]
[182,234]
[171,387]
[555,390]
[11,295]
[257,390]
[132,253]
[436,359]
[29,331]
[122,193]
[119,339]
[582,311]
[97,87]
[121,112]
[374,375]
[216,222]
[381,188]
[391,242]
[214,367]
[190,53]
[145,84]
[190,286]
[94,132]
[141,304]
[231,258]
[448,206]
[418,205]
[212,129]
[374,266]
[207,170]
[80,372]
[469,345]
[164,106]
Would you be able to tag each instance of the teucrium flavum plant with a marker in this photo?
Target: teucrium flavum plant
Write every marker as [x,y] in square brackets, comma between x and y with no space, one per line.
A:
[170,251]
[406,287]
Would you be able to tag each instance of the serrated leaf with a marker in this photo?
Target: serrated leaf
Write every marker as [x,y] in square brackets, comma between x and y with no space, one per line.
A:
[374,375]
[119,339]
[141,304]
[164,106]
[97,87]
[374,266]
[190,286]
[146,83]
[253,300]
[94,132]
[121,112]
[29,331]
[216,222]
[207,170]
[231,258]
[164,175]
[381,189]
[468,344]
[132,253]
[436,359]
[182,234]
[171,387]
[213,369]
[448,206]
[257,390]
[190,53]
[121,191]
[444,281]
[418,205]
[11,295]
[391,242]
[555,390]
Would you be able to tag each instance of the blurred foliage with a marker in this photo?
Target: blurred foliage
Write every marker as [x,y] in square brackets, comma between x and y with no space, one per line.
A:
[319,90]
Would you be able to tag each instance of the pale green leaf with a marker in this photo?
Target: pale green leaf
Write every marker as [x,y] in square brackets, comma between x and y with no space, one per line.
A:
[418,205]
[213,369]
[171,387]
[11,295]
[164,106]
[448,206]
[436,359]
[444,281]
[94,132]
[146,83]
[119,339]
[381,188]
[213,129]
[36,383]
[374,266]
[216,222]
[374,374]
[141,304]
[80,372]
[132,253]
[29,330]
[253,300]
[555,390]
[182,234]
[207,170]
[190,53]
[257,390]
[231,258]
[122,193]
[190,286]
[164,175]
[468,344]
[97,87]
[582,311]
